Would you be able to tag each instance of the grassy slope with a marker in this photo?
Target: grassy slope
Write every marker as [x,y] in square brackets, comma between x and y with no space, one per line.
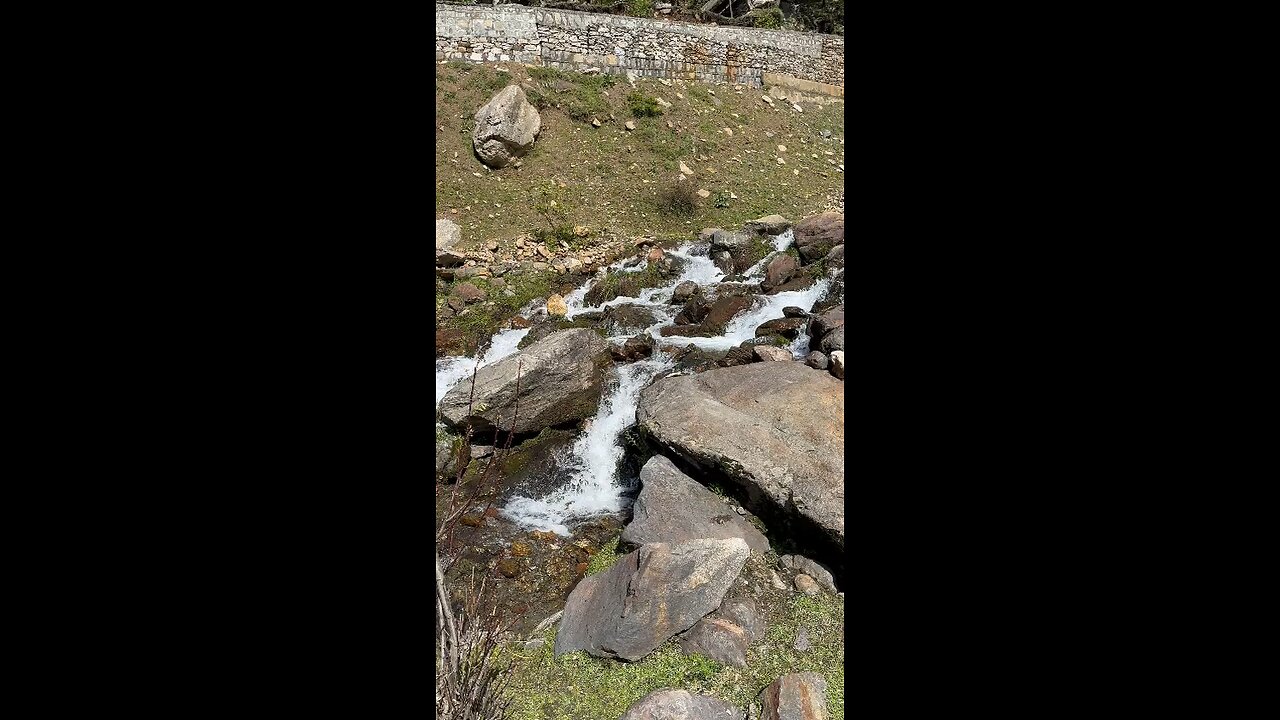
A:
[580,686]
[601,190]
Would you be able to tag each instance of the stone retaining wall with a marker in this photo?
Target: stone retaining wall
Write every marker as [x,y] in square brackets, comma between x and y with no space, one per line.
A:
[573,40]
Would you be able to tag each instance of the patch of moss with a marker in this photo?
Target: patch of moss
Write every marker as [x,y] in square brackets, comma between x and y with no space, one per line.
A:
[619,283]
[579,686]
[606,557]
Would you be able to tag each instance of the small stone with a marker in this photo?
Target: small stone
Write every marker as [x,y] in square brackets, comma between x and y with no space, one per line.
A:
[816,360]
[802,641]
[595,122]
[766,100]
[704,193]
[807,585]
[729,132]
[581,231]
[781,161]
[684,169]
[509,568]
[556,306]
[630,125]
[492,245]
[782,148]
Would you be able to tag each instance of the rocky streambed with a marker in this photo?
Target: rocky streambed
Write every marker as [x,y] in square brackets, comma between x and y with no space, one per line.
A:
[684,406]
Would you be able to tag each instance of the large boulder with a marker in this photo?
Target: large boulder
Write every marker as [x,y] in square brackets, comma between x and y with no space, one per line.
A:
[681,705]
[741,423]
[825,322]
[506,127]
[648,596]
[674,508]
[817,235]
[787,327]
[560,380]
[833,341]
[722,311]
[797,696]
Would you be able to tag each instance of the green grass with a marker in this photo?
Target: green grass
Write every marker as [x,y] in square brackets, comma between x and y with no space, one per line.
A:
[482,320]
[606,557]
[579,686]
[604,169]
[642,105]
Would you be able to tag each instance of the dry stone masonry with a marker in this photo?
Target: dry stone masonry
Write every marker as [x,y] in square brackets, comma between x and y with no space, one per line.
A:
[572,40]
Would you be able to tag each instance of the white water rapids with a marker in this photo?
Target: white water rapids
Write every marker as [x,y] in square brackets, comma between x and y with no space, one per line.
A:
[591,465]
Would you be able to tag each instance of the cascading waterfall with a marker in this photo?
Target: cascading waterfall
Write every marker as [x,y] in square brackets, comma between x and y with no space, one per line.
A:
[593,461]
[591,465]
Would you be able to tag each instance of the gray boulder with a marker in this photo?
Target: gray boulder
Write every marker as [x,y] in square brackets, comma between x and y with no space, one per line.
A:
[768,225]
[674,508]
[826,321]
[717,639]
[820,573]
[787,327]
[648,596]
[560,380]
[817,235]
[771,353]
[448,234]
[778,271]
[740,423]
[835,258]
[798,696]
[620,319]
[681,705]
[816,360]
[725,634]
[684,291]
[506,127]
[833,341]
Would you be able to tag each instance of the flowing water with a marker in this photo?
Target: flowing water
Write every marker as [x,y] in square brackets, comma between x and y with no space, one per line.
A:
[592,485]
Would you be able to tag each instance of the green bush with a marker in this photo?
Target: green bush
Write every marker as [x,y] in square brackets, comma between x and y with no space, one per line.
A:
[640,8]
[768,18]
[642,105]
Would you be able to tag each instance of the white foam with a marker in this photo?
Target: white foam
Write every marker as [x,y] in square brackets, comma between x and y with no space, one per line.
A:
[452,370]
[592,488]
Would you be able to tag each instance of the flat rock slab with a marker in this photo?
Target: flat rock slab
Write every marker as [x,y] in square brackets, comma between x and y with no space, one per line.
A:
[798,696]
[681,705]
[674,508]
[648,596]
[777,428]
